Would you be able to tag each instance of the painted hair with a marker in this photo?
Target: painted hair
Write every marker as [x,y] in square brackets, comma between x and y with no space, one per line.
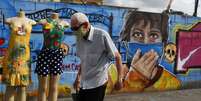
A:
[134,17]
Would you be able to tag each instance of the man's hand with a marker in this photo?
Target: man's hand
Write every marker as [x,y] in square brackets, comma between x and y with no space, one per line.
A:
[119,84]
[146,64]
[76,85]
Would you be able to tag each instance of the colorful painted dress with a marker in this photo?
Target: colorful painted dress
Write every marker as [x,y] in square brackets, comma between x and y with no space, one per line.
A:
[53,33]
[50,59]
[16,63]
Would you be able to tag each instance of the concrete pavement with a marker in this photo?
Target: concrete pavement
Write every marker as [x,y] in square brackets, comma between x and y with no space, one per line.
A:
[176,95]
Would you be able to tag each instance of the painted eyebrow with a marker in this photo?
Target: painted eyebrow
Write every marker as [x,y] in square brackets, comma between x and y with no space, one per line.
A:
[155,30]
[137,29]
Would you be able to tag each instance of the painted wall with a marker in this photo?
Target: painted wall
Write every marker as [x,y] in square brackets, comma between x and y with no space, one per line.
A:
[175,38]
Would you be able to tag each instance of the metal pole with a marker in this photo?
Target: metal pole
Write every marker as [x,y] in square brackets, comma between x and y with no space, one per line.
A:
[195,8]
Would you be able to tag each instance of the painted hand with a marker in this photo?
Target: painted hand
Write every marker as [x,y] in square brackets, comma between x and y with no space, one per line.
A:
[145,64]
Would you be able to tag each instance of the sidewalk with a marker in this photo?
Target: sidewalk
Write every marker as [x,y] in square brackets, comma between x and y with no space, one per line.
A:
[178,95]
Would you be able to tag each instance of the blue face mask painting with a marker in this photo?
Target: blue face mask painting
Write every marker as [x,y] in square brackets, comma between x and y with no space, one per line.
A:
[130,48]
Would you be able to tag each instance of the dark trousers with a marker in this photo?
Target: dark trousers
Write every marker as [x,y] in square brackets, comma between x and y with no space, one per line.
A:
[95,94]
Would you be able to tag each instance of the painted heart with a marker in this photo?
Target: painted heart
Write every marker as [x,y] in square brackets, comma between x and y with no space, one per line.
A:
[2,40]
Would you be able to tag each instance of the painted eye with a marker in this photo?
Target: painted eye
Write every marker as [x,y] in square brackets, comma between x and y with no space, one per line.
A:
[154,35]
[137,34]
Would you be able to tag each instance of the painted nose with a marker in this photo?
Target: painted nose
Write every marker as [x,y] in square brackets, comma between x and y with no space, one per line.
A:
[146,39]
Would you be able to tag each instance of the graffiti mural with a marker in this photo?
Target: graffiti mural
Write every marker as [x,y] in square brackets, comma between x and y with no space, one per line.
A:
[144,36]
[159,51]
[71,61]
[2,17]
[188,58]
[66,13]
[184,38]
[2,28]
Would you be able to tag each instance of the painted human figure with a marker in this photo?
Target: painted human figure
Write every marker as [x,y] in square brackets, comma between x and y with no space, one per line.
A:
[143,71]
[16,63]
[50,59]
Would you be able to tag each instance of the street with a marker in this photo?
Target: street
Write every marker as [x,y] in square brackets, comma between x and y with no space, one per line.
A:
[176,95]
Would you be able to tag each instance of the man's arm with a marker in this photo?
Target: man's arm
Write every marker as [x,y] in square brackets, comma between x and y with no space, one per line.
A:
[114,53]
[119,83]
[79,74]
[119,66]
[76,84]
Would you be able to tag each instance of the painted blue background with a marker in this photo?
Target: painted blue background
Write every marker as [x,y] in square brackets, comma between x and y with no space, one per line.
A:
[9,8]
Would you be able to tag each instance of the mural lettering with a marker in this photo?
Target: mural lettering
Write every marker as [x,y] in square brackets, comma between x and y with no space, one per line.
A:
[66,13]
[70,67]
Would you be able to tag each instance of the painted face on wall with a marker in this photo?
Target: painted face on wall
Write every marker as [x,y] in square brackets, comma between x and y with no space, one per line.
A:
[144,32]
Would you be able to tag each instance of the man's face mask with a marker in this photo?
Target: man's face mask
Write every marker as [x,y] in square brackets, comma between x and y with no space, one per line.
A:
[131,47]
[80,33]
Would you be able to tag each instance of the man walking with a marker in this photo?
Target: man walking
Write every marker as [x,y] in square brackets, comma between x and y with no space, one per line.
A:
[95,49]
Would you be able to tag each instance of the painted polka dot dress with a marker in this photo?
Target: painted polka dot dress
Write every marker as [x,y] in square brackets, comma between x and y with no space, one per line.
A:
[49,62]
[50,59]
